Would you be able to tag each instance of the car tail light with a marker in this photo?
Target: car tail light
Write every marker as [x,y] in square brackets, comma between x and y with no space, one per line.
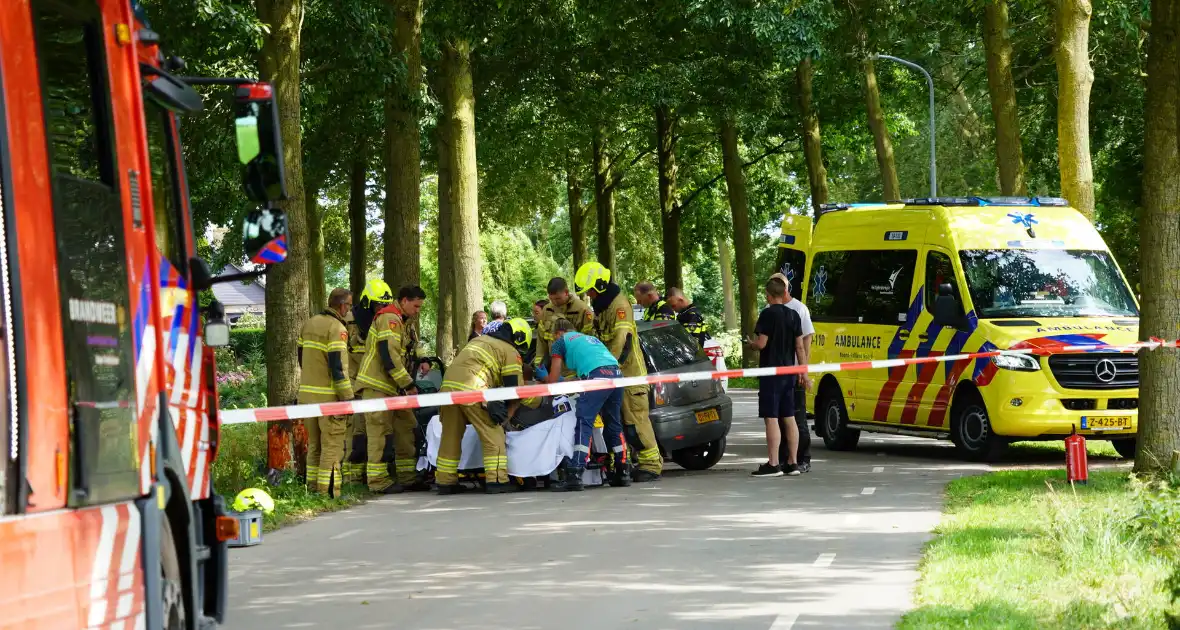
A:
[659,394]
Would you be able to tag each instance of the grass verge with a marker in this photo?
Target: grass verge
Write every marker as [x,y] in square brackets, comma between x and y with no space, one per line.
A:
[241,463]
[743,382]
[1021,549]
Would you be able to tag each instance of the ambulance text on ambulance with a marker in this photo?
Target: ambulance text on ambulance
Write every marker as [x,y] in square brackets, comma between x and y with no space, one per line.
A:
[857,341]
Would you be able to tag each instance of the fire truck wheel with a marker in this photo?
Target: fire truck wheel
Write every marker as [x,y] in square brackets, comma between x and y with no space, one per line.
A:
[1125,448]
[175,617]
[971,431]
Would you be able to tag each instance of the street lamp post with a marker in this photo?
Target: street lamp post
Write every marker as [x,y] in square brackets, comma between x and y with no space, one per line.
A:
[930,84]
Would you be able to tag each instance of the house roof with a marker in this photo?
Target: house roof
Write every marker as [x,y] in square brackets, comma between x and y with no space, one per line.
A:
[230,294]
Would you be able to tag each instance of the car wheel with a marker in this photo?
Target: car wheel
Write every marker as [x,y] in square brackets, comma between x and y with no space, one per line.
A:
[1125,448]
[831,421]
[702,457]
[971,431]
[175,614]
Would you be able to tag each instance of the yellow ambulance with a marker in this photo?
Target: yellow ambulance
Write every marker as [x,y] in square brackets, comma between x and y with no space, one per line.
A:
[928,277]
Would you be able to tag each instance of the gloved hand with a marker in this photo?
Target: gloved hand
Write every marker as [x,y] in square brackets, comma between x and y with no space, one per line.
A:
[541,373]
[498,411]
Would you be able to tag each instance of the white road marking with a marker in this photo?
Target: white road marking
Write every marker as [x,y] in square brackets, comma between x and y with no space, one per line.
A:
[824,560]
[851,519]
[784,621]
[345,534]
[878,469]
[868,490]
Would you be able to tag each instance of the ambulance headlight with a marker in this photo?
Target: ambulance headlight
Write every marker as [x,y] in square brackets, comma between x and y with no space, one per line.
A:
[1018,362]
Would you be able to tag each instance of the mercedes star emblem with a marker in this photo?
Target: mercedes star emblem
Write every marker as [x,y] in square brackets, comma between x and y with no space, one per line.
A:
[1105,370]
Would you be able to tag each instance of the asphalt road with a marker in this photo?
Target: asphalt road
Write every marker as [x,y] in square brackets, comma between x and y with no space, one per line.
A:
[836,548]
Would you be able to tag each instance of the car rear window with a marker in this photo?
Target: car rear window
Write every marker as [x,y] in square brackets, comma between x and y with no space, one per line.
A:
[669,346]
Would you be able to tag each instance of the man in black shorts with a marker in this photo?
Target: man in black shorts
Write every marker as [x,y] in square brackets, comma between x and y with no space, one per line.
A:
[779,337]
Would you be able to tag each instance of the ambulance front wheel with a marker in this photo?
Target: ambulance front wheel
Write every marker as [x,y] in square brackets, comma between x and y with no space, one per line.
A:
[971,431]
[831,419]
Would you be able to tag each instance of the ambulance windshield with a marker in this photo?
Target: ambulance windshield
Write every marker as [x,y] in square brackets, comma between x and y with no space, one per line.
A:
[1045,283]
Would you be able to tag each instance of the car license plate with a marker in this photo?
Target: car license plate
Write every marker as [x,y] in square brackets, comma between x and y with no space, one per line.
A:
[1106,423]
[708,415]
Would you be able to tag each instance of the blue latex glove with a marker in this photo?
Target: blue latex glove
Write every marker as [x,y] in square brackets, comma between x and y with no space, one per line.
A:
[541,373]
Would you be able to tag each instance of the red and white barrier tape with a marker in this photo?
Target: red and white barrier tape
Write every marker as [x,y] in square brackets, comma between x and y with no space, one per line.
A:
[294,412]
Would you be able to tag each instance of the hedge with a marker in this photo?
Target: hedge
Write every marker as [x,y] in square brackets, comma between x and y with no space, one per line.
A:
[246,341]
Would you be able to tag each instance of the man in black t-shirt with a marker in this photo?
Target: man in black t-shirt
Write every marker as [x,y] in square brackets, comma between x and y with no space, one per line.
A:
[778,336]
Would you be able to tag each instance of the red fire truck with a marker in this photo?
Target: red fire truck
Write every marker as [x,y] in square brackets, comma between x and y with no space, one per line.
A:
[107,388]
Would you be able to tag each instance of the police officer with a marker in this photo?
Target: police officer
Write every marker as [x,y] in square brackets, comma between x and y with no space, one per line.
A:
[656,309]
[375,296]
[562,305]
[323,343]
[385,372]
[614,324]
[494,359]
[689,316]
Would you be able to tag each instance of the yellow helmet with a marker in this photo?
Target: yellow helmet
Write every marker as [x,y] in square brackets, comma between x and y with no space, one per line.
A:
[517,332]
[377,292]
[591,275]
[253,499]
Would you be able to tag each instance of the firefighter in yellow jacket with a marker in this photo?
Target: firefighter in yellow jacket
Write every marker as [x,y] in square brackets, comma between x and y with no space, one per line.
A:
[323,344]
[614,324]
[494,359]
[375,296]
[385,372]
[562,305]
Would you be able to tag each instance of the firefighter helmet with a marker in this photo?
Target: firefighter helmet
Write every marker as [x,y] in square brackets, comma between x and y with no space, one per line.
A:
[377,292]
[253,499]
[591,275]
[517,332]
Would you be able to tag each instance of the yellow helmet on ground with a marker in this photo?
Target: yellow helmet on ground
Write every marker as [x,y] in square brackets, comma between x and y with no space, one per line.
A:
[591,275]
[377,292]
[253,499]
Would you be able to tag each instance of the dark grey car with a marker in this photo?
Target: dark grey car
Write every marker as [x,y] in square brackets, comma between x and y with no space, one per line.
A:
[691,420]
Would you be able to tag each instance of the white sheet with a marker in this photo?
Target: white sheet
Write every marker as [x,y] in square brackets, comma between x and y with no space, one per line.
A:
[534,452]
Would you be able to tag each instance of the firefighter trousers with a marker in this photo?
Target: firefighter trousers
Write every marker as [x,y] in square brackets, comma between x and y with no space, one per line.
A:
[635,414]
[325,453]
[454,419]
[379,425]
[356,426]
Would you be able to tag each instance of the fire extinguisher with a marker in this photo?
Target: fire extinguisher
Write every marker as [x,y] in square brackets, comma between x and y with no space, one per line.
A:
[1076,469]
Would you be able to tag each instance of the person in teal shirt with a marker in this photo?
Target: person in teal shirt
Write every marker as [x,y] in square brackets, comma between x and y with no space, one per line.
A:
[587,357]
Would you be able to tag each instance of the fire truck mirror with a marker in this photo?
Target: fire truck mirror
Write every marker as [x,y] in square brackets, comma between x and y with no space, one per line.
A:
[264,236]
[260,145]
[171,93]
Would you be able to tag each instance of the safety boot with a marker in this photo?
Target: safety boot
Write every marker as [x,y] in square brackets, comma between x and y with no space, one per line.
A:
[642,476]
[621,475]
[572,482]
[451,489]
[500,488]
[393,488]
[417,486]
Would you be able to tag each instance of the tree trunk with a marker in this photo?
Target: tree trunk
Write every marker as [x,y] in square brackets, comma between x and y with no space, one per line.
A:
[316,295]
[997,43]
[967,124]
[445,322]
[358,221]
[1159,253]
[1074,78]
[604,204]
[402,168]
[726,262]
[460,94]
[735,182]
[813,148]
[573,193]
[880,134]
[669,205]
[286,284]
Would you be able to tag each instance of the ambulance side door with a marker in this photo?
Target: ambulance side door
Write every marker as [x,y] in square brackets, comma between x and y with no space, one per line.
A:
[933,390]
